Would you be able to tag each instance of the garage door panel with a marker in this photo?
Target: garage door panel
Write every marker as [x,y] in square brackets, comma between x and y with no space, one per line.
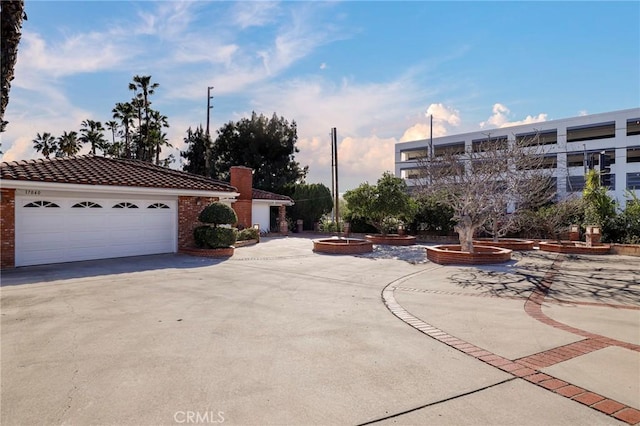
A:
[66,233]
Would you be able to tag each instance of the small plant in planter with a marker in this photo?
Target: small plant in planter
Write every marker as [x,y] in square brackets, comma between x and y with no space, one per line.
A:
[249,234]
[218,232]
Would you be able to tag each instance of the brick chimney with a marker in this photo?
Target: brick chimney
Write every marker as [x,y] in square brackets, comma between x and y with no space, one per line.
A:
[242,179]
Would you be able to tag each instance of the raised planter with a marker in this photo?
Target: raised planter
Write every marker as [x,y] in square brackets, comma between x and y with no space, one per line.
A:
[514,244]
[573,247]
[212,253]
[450,254]
[243,243]
[391,239]
[626,249]
[342,246]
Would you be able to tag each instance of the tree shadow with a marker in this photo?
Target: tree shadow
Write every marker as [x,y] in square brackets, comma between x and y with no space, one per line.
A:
[605,280]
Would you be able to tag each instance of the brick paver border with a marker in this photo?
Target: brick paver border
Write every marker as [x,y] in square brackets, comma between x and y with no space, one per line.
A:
[528,368]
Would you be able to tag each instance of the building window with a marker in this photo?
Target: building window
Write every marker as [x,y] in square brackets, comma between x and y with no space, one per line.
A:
[411,173]
[549,162]
[45,204]
[449,149]
[633,180]
[633,154]
[86,205]
[575,183]
[158,206]
[125,205]
[414,154]
[633,126]
[608,180]
[546,137]
[575,160]
[482,145]
[591,132]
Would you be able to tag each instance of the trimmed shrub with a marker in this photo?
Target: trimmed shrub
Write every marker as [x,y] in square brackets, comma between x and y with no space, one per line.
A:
[218,214]
[211,238]
[248,234]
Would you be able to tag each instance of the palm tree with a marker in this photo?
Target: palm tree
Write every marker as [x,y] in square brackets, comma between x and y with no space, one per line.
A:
[124,112]
[92,133]
[157,138]
[45,143]
[11,17]
[143,88]
[68,144]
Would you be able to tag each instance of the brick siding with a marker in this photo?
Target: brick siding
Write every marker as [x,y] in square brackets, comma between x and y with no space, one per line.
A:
[8,228]
[188,210]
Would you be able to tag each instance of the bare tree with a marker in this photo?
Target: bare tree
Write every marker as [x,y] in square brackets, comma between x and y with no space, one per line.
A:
[487,183]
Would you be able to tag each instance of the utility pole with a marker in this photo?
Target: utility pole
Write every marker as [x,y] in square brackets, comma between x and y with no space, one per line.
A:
[207,153]
[333,177]
[209,106]
[334,137]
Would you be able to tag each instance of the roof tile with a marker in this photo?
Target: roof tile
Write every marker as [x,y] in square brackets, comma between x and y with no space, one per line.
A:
[96,170]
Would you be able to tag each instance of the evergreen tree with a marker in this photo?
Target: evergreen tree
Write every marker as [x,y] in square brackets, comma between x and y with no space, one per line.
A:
[265,145]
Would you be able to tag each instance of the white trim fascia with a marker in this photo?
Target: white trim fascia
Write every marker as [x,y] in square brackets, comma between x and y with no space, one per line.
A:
[273,202]
[102,189]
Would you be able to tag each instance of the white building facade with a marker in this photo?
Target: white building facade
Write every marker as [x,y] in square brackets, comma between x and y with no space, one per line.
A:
[571,146]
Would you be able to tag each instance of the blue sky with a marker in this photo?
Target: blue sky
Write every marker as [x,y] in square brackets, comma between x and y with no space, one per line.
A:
[374,70]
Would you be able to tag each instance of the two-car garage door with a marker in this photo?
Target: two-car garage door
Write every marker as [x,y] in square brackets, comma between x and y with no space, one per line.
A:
[61,229]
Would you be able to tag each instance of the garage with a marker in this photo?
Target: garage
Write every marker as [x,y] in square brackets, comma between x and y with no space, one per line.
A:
[62,229]
[90,207]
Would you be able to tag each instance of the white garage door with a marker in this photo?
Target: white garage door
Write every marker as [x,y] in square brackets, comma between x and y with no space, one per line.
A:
[57,229]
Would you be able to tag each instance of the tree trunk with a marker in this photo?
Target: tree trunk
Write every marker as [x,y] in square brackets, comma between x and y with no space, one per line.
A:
[495,230]
[465,230]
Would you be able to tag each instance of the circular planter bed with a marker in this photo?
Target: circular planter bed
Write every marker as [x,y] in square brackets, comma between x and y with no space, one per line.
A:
[213,253]
[450,254]
[507,243]
[342,246]
[573,247]
[391,239]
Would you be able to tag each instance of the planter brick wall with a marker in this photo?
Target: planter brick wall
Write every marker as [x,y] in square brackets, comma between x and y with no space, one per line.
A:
[626,249]
[391,239]
[573,248]
[211,253]
[333,246]
[8,228]
[188,210]
[449,255]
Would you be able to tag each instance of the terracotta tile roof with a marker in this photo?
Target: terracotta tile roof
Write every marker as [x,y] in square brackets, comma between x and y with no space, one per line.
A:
[96,170]
[259,194]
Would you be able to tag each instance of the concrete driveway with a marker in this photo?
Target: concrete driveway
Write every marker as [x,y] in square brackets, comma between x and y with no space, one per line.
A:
[279,335]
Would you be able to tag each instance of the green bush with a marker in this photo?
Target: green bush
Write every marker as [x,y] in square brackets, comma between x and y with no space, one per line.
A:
[214,237]
[249,234]
[218,214]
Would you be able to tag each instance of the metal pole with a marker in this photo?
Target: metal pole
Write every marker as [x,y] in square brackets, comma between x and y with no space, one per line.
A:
[431,136]
[333,178]
[207,151]
[337,195]
[209,106]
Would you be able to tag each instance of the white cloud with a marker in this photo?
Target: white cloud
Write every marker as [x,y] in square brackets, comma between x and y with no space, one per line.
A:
[323,66]
[254,13]
[500,118]
[444,117]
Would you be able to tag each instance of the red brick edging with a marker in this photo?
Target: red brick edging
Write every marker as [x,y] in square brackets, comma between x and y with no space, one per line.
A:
[450,254]
[521,368]
[342,246]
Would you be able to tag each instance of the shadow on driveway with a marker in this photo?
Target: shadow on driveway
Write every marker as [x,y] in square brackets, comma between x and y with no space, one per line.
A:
[94,268]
